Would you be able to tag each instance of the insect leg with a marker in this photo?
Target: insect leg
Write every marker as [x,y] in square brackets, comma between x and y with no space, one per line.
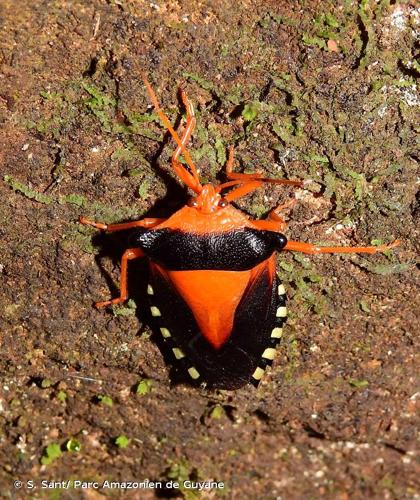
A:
[246,186]
[130,254]
[233,175]
[275,217]
[254,176]
[150,222]
[275,221]
[242,190]
[298,246]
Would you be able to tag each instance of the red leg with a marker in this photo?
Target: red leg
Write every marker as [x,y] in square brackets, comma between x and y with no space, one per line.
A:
[229,163]
[249,186]
[231,175]
[275,221]
[242,190]
[298,246]
[130,254]
[271,225]
[255,176]
[151,222]
[274,214]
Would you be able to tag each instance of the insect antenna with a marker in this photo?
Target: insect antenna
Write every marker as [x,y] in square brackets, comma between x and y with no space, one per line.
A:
[191,178]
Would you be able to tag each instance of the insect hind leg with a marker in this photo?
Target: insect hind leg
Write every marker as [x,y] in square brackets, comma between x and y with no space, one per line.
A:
[309,248]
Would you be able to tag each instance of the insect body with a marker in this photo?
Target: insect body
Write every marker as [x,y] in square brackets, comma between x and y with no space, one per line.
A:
[213,288]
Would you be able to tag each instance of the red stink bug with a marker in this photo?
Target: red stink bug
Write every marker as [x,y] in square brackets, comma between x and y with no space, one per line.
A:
[213,287]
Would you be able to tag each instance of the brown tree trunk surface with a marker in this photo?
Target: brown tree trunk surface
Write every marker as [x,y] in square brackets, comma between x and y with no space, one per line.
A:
[304,90]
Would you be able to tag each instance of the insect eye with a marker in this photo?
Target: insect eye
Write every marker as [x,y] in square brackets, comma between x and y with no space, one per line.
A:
[223,203]
[192,202]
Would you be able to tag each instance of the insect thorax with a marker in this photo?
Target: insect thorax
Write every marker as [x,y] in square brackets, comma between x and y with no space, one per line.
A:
[235,250]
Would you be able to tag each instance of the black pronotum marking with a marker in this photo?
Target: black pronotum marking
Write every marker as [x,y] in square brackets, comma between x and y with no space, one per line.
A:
[230,251]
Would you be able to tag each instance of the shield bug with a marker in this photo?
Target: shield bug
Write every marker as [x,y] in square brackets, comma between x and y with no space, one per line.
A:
[213,287]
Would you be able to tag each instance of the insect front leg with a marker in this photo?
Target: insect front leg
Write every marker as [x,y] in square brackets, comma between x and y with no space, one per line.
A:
[231,175]
[130,254]
[149,222]
[275,221]
[256,176]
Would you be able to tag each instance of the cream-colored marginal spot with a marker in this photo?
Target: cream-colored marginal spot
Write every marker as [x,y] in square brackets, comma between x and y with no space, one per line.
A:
[193,373]
[258,374]
[166,333]
[269,353]
[281,290]
[281,312]
[150,290]
[178,353]
[155,311]
[276,333]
